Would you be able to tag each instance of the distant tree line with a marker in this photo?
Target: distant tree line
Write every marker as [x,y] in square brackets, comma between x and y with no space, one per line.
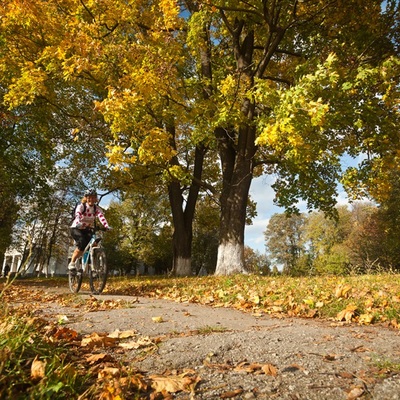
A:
[363,238]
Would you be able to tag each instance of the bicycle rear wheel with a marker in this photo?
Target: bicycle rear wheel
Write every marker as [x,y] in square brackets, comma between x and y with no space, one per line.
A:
[75,278]
[98,272]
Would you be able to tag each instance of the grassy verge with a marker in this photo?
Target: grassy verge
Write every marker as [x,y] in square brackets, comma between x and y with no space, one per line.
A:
[31,367]
[363,299]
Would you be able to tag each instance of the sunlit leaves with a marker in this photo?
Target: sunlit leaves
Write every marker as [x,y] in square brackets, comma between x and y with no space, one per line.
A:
[364,300]
[170,13]
[27,87]
[299,116]
[99,45]
[156,147]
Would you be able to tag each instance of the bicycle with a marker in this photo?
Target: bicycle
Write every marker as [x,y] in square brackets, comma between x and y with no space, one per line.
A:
[93,262]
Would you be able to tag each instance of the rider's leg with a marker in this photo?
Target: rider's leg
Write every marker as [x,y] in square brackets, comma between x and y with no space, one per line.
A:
[82,238]
[75,255]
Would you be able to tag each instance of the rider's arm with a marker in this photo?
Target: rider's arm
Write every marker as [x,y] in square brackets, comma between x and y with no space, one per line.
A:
[77,222]
[102,218]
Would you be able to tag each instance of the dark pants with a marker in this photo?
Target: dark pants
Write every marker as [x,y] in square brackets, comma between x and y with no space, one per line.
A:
[82,237]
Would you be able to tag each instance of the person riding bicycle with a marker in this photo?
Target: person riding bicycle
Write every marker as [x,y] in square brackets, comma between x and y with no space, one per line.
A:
[82,226]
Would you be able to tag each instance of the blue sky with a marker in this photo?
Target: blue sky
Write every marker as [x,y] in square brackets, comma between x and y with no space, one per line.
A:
[262,193]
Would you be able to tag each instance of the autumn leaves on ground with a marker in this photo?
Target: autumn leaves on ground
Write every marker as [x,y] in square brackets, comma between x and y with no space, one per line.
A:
[41,359]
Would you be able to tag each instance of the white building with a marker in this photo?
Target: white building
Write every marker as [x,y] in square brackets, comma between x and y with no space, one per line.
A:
[13,259]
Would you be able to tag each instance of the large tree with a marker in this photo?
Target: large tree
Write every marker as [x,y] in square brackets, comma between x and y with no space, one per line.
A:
[279,86]
[294,87]
[130,61]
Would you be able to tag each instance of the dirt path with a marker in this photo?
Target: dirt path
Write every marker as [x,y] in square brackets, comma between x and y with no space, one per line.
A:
[242,356]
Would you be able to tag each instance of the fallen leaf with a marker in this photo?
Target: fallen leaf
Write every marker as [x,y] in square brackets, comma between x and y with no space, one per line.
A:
[269,369]
[347,314]
[139,382]
[394,323]
[117,334]
[342,291]
[93,358]
[369,303]
[231,394]
[38,369]
[345,375]
[173,384]
[157,319]
[255,299]
[355,393]
[366,319]
[108,371]
[247,367]
[66,334]
[96,340]
[141,342]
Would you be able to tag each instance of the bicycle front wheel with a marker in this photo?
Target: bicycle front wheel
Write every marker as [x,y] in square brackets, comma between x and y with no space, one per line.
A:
[75,278]
[98,272]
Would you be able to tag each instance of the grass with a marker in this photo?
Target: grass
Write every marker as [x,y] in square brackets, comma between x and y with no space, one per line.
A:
[372,298]
[21,343]
[385,367]
[367,298]
[206,330]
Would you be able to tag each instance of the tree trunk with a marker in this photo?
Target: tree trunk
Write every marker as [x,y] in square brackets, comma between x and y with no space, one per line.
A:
[183,232]
[183,216]
[237,163]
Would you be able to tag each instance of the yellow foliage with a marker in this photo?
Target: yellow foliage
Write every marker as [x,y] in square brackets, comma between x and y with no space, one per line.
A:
[227,85]
[170,11]
[156,147]
[317,111]
[30,84]
[269,136]
[115,155]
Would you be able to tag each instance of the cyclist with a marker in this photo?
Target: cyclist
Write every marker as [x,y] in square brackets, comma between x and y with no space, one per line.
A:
[83,224]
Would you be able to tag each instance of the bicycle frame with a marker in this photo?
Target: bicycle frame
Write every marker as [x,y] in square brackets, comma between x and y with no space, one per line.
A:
[93,262]
[88,253]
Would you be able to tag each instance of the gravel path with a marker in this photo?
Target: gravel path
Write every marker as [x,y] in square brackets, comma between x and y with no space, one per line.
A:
[242,356]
